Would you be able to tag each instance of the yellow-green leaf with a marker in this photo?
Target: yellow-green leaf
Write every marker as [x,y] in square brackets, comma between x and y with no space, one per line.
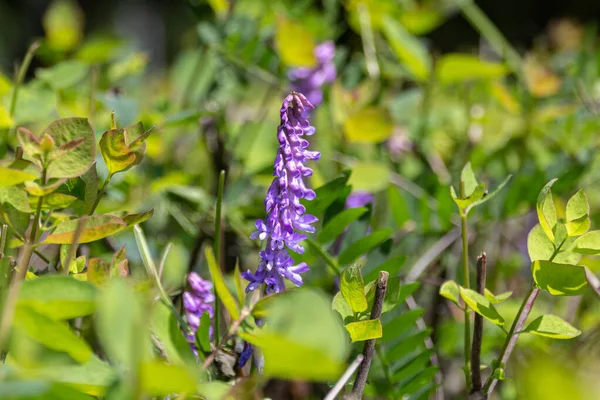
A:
[559,279]
[481,305]
[294,43]
[365,330]
[63,23]
[12,177]
[369,177]
[369,125]
[450,291]
[453,68]
[95,227]
[587,244]
[115,152]
[546,210]
[6,120]
[553,327]
[409,50]
[352,287]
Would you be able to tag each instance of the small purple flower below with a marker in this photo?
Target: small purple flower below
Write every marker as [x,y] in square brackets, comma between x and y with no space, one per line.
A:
[285,214]
[359,199]
[198,300]
[311,80]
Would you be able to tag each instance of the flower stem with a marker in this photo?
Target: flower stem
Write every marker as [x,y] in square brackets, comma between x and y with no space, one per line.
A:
[330,261]
[478,329]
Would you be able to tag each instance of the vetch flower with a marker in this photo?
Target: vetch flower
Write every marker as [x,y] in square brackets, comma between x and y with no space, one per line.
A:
[286,217]
[198,300]
[311,80]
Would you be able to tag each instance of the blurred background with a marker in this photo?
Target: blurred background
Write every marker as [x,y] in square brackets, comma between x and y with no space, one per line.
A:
[408,93]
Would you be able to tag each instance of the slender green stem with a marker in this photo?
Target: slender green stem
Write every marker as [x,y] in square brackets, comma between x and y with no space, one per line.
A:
[466,284]
[217,245]
[3,240]
[330,261]
[100,194]
[21,76]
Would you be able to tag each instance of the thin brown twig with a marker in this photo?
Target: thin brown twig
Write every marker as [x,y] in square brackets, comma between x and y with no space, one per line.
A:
[478,332]
[368,350]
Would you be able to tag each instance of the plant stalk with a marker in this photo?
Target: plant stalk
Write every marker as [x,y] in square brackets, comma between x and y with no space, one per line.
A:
[369,349]
[478,330]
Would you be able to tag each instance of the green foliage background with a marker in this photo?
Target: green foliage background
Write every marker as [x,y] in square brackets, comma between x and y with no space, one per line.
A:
[401,121]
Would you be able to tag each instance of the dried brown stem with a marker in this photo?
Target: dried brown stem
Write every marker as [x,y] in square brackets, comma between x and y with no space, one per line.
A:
[478,331]
[368,350]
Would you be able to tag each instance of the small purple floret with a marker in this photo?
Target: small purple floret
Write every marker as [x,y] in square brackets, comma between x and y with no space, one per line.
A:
[196,302]
[311,80]
[286,216]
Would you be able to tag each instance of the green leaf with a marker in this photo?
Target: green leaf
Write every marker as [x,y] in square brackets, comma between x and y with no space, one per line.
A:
[408,345]
[454,68]
[369,177]
[239,286]
[372,124]
[392,265]
[115,152]
[396,327]
[398,205]
[202,334]
[16,197]
[466,204]
[539,246]
[546,210]
[409,50]
[413,366]
[12,177]
[553,327]
[577,214]
[164,325]
[450,291]
[160,379]
[326,195]
[363,246]
[340,305]
[309,343]
[352,288]
[294,43]
[559,279]
[588,244]
[64,75]
[136,219]
[119,327]
[95,227]
[467,178]
[481,305]
[59,297]
[55,335]
[336,225]
[490,196]
[496,298]
[6,121]
[220,287]
[365,330]
[119,265]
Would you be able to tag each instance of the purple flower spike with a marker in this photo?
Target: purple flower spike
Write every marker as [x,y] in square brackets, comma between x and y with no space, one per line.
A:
[310,80]
[196,302]
[285,214]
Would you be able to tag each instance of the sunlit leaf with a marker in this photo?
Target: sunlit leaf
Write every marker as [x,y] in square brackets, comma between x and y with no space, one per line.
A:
[559,279]
[365,330]
[294,43]
[450,291]
[352,288]
[95,227]
[546,210]
[553,327]
[115,152]
[370,125]
[481,305]
[160,379]
[453,68]
[63,23]
[12,177]
[409,50]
